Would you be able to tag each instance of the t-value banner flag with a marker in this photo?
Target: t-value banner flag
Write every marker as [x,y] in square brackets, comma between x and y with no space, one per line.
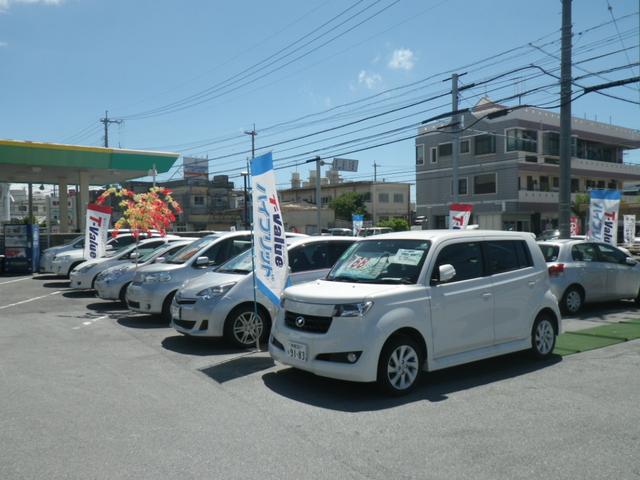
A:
[459,214]
[97,230]
[629,229]
[270,250]
[603,216]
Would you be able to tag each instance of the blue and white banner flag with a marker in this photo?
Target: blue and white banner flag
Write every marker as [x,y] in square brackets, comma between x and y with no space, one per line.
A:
[603,216]
[270,248]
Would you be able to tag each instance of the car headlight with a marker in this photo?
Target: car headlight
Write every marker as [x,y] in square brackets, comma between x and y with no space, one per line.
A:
[157,277]
[352,309]
[217,291]
[62,258]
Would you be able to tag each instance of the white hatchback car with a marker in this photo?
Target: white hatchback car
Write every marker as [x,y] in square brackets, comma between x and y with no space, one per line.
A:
[398,303]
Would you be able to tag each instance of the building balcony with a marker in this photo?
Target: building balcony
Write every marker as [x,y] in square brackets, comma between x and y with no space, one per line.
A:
[584,167]
[536,196]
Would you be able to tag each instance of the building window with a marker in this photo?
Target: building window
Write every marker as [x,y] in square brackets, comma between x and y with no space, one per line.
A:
[445,150]
[544,183]
[325,200]
[552,161]
[419,154]
[531,159]
[464,146]
[434,155]
[555,183]
[612,185]
[383,197]
[484,184]
[366,197]
[398,198]
[462,186]
[484,144]
[575,185]
[551,143]
[198,200]
[522,140]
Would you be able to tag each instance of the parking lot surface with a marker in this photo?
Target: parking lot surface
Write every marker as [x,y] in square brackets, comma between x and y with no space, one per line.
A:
[89,390]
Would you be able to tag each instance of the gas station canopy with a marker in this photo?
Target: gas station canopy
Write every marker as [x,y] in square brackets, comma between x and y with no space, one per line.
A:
[36,162]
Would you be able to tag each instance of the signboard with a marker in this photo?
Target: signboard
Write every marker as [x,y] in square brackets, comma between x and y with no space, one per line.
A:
[193,167]
[97,230]
[459,214]
[345,165]
[629,229]
[269,242]
[358,222]
[574,226]
[603,216]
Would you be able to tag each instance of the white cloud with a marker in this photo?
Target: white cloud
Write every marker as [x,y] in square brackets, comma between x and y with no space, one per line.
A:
[402,59]
[369,79]
[5,4]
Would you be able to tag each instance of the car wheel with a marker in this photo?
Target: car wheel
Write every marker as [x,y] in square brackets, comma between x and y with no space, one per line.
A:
[123,293]
[166,307]
[572,300]
[244,325]
[543,337]
[399,365]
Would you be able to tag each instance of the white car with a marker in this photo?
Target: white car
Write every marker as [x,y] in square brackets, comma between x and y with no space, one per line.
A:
[46,258]
[112,283]
[220,303]
[399,303]
[84,275]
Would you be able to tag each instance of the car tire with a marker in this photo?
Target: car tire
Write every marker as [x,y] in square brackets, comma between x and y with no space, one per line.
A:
[399,365]
[572,300]
[166,307]
[123,293]
[543,336]
[242,326]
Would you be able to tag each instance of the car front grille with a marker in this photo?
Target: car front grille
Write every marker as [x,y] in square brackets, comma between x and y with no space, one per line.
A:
[185,301]
[188,324]
[133,304]
[307,323]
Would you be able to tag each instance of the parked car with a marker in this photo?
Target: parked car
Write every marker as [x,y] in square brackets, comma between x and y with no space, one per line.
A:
[368,231]
[403,302]
[154,286]
[339,232]
[46,258]
[220,303]
[112,283]
[63,262]
[582,271]
[84,275]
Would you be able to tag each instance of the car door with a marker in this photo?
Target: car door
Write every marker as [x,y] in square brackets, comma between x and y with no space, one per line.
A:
[461,309]
[587,269]
[622,279]
[515,283]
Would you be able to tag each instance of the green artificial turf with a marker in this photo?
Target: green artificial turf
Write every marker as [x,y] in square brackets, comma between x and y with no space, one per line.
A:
[597,337]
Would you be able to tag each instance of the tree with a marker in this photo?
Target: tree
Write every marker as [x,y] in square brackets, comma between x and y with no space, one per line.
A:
[396,224]
[348,204]
[143,212]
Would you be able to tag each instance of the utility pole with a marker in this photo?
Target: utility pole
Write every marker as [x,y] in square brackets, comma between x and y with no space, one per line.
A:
[564,211]
[455,145]
[253,134]
[106,121]
[373,194]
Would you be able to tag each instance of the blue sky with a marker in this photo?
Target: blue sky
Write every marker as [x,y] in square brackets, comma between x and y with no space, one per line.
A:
[64,62]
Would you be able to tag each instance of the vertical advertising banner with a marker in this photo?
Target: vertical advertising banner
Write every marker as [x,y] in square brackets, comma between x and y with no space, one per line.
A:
[574,226]
[358,222]
[629,229]
[97,230]
[459,214]
[270,248]
[603,216]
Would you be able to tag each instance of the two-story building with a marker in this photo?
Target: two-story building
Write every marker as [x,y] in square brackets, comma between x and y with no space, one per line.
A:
[508,166]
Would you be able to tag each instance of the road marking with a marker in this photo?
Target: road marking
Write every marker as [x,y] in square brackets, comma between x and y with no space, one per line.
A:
[18,280]
[30,300]
[90,322]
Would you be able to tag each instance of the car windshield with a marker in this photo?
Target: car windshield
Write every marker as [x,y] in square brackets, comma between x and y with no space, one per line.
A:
[239,264]
[550,252]
[190,250]
[381,261]
[145,254]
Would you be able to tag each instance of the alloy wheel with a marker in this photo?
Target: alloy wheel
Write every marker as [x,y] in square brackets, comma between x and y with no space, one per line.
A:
[402,367]
[247,328]
[573,301]
[544,337]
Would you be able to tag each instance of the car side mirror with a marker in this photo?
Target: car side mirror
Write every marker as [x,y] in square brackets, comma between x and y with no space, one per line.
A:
[631,261]
[108,248]
[159,260]
[446,273]
[133,255]
[202,262]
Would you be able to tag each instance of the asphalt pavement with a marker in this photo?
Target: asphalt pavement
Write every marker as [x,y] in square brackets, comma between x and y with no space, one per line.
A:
[90,391]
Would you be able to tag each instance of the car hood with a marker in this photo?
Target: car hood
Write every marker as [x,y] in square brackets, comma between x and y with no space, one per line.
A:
[327,292]
[209,279]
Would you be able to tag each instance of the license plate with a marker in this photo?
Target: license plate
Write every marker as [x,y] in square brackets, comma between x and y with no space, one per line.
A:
[297,351]
[175,312]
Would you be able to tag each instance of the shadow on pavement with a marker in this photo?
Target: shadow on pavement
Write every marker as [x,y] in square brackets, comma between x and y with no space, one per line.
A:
[108,306]
[47,276]
[79,294]
[239,366]
[600,311]
[198,346]
[64,284]
[433,387]
[143,322]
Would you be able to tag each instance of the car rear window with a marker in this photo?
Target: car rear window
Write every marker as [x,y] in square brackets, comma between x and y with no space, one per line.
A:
[550,252]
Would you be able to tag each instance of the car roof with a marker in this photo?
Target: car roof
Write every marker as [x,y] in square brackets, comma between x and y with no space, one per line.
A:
[323,238]
[446,234]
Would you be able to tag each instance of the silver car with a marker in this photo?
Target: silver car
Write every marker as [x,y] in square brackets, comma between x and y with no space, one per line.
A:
[582,271]
[154,286]
[220,303]
[112,283]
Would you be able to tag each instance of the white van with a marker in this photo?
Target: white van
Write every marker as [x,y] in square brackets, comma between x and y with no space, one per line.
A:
[402,302]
